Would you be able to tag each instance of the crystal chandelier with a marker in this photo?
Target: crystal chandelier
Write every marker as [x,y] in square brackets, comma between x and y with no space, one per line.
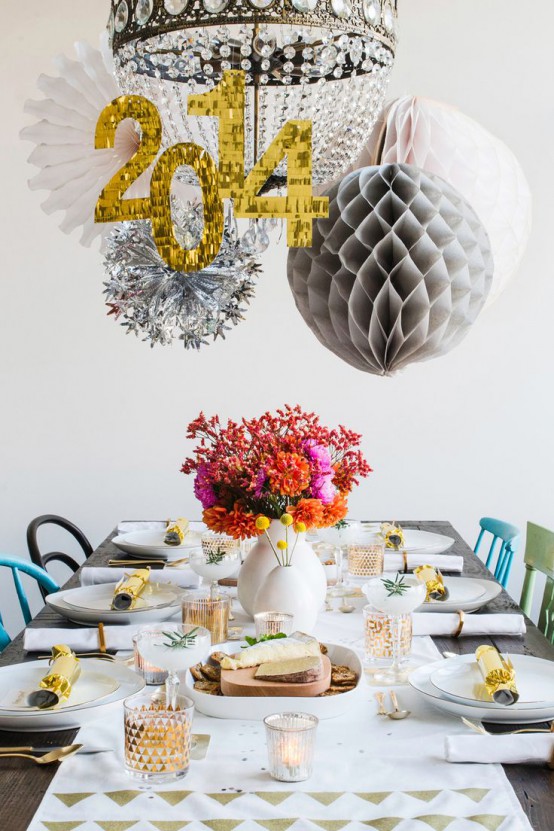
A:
[327,61]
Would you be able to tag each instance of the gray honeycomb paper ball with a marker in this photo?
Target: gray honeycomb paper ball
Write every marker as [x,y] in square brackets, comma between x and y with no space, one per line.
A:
[397,273]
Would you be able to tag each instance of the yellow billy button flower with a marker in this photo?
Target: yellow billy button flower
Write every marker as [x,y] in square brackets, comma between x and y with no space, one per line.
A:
[282,545]
[300,527]
[262,523]
[286,520]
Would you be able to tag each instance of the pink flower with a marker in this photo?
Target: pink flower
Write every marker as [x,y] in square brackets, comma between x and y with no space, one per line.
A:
[319,456]
[322,488]
[259,483]
[203,487]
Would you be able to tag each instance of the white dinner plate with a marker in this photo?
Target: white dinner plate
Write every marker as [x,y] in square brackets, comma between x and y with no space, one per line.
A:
[257,708]
[151,543]
[467,594]
[420,680]
[460,680]
[23,676]
[88,617]
[423,542]
[89,687]
[99,598]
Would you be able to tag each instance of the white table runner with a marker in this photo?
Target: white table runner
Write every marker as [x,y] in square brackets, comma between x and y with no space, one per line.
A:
[370,772]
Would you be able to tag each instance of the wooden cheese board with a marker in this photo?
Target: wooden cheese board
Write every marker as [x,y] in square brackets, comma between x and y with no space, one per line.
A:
[241,682]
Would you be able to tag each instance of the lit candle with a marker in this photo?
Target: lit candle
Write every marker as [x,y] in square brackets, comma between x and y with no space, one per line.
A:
[291,744]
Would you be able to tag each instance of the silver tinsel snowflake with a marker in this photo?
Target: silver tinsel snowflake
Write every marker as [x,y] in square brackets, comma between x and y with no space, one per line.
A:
[162,305]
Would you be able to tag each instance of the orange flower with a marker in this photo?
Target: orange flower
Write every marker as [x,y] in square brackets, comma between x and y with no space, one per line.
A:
[308,511]
[241,523]
[335,511]
[216,519]
[290,474]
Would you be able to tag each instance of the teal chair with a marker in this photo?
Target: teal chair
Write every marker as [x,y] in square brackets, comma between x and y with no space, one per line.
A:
[509,536]
[539,556]
[18,567]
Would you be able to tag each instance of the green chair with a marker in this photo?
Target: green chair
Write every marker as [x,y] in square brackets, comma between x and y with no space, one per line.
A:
[539,556]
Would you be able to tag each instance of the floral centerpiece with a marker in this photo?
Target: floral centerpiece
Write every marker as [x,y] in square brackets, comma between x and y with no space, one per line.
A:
[254,471]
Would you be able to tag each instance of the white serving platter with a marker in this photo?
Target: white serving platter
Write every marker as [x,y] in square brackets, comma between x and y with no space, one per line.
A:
[151,543]
[64,602]
[467,594]
[420,680]
[254,708]
[460,677]
[23,676]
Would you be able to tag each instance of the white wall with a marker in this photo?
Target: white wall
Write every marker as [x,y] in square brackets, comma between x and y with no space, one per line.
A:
[93,421]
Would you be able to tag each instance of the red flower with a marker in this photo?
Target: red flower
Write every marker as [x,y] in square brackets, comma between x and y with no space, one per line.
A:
[334,512]
[216,519]
[241,524]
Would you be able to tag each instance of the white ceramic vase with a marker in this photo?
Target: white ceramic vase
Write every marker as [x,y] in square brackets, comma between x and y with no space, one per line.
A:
[285,589]
[261,560]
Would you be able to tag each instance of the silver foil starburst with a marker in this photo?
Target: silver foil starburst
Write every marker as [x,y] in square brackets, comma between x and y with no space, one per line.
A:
[161,305]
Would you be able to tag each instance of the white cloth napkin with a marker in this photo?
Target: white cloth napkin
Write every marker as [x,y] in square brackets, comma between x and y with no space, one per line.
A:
[128,525]
[522,749]
[445,562]
[438,623]
[182,576]
[81,640]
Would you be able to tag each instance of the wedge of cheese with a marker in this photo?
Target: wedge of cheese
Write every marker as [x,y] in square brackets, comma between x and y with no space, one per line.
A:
[269,651]
[292,671]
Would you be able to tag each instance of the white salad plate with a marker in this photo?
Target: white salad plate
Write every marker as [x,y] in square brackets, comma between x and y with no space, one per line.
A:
[91,687]
[466,594]
[460,680]
[420,680]
[257,708]
[18,678]
[423,542]
[66,603]
[151,543]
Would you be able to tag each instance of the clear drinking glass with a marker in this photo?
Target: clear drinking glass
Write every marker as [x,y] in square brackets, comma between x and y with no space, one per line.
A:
[396,604]
[290,744]
[330,558]
[157,737]
[174,647]
[212,613]
[271,623]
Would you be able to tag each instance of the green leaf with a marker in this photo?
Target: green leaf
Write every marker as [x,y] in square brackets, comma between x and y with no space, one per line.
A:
[253,641]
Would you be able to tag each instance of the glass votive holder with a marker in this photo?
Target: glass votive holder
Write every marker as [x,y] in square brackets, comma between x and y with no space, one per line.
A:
[366,558]
[157,737]
[329,557]
[210,612]
[152,674]
[271,623]
[378,637]
[290,744]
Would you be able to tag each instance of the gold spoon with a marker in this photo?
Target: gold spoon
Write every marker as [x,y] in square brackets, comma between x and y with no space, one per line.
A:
[53,756]
[397,714]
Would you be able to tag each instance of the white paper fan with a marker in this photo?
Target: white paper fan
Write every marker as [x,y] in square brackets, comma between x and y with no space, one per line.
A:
[70,168]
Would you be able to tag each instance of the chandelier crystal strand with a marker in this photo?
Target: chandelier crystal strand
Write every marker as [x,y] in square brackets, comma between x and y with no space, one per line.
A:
[329,60]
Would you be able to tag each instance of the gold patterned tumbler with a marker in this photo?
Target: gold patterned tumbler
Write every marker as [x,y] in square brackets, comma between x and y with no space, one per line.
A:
[378,637]
[210,612]
[157,737]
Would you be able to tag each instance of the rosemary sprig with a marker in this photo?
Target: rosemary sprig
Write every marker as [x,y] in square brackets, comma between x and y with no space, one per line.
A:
[342,523]
[396,586]
[178,641]
[215,557]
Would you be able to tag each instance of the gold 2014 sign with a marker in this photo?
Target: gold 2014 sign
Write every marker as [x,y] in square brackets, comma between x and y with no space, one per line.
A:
[226,102]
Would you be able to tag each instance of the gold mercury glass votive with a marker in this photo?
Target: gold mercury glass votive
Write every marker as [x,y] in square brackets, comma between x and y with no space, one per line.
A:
[290,745]
[210,612]
[365,559]
[157,737]
[378,637]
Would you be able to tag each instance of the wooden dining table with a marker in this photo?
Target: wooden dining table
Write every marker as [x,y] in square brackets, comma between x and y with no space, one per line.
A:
[23,784]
